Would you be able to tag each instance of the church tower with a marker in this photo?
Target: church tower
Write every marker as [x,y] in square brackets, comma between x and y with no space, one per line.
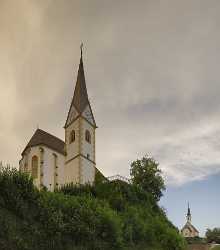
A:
[80,162]
[189,231]
[188,216]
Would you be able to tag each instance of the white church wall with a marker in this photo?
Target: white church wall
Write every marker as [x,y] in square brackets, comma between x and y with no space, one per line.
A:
[72,149]
[88,148]
[34,151]
[47,167]
[87,171]
[72,171]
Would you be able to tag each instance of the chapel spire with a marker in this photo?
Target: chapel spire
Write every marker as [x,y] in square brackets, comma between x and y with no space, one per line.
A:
[189,217]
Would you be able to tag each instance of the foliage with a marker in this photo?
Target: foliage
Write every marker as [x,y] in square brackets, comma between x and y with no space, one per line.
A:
[99,177]
[213,235]
[107,215]
[216,248]
[195,240]
[146,174]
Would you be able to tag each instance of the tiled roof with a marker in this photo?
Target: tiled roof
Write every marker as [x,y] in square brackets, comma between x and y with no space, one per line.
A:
[80,98]
[190,227]
[41,137]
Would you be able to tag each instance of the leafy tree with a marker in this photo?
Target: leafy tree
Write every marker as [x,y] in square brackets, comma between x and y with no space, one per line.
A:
[213,235]
[146,174]
[104,216]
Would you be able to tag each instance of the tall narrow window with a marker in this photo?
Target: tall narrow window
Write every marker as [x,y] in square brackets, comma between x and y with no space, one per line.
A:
[34,167]
[55,171]
[72,136]
[88,136]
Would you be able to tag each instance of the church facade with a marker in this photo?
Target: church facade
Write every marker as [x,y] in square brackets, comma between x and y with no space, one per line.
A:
[189,231]
[53,162]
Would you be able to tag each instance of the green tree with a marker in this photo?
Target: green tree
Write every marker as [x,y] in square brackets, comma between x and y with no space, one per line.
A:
[104,216]
[213,235]
[146,174]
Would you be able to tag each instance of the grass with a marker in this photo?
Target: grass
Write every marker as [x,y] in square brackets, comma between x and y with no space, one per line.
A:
[216,248]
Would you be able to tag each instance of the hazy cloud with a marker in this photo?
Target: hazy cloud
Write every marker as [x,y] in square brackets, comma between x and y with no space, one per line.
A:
[152,76]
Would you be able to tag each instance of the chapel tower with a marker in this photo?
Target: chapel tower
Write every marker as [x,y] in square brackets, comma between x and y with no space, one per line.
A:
[189,231]
[188,216]
[80,162]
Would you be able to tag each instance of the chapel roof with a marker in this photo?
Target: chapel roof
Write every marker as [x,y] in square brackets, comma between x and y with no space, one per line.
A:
[41,137]
[190,227]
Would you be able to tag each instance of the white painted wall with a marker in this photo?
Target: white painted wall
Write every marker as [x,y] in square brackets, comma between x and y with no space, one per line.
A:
[88,148]
[48,167]
[88,167]
[72,149]
[72,171]
[87,171]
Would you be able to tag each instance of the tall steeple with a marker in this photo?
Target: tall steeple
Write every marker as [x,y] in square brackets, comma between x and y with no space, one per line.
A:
[80,160]
[80,98]
[188,216]
[189,231]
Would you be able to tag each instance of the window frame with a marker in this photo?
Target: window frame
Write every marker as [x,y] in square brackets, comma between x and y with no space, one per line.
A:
[72,136]
[88,136]
[34,166]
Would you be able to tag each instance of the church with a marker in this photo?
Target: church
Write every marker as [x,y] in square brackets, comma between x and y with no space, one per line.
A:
[189,231]
[53,162]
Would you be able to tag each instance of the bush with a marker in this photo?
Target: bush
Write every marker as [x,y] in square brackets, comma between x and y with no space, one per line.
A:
[108,215]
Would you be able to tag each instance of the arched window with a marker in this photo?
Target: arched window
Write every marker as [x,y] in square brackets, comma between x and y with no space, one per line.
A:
[34,167]
[88,136]
[72,136]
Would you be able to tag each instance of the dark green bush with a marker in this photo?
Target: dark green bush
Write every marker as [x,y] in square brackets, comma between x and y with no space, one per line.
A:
[107,215]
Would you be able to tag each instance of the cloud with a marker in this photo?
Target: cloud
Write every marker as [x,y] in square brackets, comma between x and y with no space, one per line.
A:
[152,77]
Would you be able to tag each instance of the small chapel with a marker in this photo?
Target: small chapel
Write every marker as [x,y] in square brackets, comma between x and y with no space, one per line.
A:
[53,162]
[189,231]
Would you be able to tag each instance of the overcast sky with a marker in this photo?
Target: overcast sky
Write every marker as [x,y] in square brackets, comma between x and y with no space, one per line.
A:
[152,72]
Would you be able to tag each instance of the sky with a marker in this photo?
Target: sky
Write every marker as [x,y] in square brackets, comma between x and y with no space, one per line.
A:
[152,73]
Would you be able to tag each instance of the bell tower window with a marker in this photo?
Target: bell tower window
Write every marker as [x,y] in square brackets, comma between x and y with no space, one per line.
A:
[88,136]
[72,136]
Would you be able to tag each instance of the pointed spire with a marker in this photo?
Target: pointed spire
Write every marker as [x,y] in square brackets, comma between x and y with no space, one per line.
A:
[189,217]
[188,213]
[80,98]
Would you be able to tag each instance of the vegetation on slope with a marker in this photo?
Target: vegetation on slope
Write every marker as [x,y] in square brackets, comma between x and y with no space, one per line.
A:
[213,235]
[216,248]
[107,215]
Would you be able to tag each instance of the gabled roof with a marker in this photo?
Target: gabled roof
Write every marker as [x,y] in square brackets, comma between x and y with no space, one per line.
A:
[190,227]
[41,137]
[80,98]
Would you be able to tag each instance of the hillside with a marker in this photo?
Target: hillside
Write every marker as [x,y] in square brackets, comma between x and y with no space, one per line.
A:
[104,216]
[198,247]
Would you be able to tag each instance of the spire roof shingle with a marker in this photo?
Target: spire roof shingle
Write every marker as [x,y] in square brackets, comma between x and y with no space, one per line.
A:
[80,97]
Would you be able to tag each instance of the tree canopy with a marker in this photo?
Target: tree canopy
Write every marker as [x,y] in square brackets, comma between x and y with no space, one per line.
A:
[107,215]
[213,235]
[146,174]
